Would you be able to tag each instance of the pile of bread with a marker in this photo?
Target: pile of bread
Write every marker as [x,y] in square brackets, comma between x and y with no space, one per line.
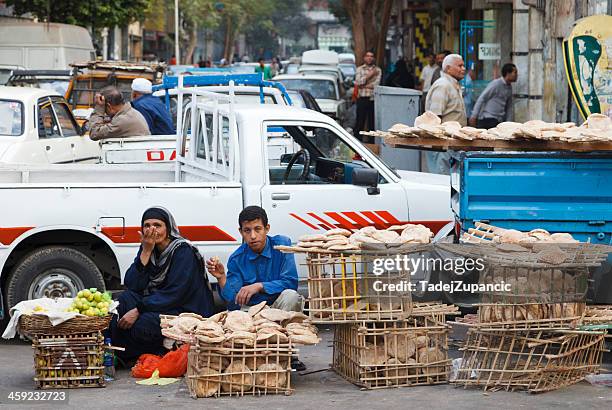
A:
[223,375]
[511,313]
[259,325]
[403,349]
[338,240]
[597,127]
[537,245]
[533,285]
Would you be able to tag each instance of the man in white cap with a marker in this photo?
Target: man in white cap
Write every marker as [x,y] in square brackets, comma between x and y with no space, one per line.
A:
[152,109]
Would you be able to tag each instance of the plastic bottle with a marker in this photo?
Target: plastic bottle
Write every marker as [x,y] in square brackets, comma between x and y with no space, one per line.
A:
[109,362]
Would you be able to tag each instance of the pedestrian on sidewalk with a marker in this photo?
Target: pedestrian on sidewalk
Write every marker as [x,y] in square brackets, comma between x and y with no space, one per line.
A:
[438,69]
[495,103]
[445,100]
[262,68]
[367,77]
[426,75]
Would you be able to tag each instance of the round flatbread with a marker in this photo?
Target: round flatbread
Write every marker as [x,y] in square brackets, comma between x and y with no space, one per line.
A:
[312,238]
[386,236]
[237,320]
[255,309]
[338,231]
[271,376]
[345,247]
[275,315]
[308,245]
[428,118]
[401,347]
[240,380]
[336,242]
[207,386]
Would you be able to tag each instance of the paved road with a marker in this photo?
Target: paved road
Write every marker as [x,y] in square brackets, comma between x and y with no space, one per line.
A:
[315,391]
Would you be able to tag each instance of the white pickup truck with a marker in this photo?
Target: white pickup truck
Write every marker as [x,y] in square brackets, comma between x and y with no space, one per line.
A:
[66,227]
[37,127]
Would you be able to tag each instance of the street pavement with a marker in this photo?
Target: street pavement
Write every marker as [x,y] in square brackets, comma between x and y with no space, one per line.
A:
[319,390]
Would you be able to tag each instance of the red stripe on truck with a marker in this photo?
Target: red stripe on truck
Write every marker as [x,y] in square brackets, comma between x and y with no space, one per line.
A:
[305,222]
[8,235]
[206,233]
[343,222]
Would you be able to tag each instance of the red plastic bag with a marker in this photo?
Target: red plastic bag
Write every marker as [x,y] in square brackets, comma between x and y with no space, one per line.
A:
[145,366]
[172,364]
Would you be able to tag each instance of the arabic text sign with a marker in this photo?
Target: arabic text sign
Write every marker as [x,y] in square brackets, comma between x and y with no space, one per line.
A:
[489,51]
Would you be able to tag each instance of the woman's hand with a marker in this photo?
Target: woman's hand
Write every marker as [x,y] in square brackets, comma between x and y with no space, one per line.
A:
[147,240]
[128,320]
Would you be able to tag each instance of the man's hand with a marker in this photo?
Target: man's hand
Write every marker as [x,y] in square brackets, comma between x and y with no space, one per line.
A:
[372,73]
[216,268]
[99,101]
[473,122]
[246,292]
[128,320]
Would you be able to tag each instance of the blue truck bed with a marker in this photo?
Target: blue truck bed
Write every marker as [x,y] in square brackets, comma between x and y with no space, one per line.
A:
[557,191]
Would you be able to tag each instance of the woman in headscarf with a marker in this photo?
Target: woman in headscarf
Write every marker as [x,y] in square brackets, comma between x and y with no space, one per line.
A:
[167,277]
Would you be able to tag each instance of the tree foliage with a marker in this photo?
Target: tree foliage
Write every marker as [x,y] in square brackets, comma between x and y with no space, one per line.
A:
[370,23]
[286,21]
[96,13]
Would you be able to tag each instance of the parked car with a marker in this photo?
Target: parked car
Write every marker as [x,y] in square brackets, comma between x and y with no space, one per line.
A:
[303,99]
[324,88]
[37,127]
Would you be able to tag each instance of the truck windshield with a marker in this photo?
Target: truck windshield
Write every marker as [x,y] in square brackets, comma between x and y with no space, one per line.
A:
[11,118]
[320,89]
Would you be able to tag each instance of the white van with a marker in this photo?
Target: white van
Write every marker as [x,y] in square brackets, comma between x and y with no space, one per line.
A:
[42,46]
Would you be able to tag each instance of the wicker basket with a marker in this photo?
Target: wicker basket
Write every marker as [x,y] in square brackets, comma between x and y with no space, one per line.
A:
[234,369]
[345,288]
[532,360]
[530,316]
[377,355]
[40,325]
[69,361]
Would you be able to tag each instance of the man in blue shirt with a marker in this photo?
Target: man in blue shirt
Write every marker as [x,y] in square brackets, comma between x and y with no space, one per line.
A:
[155,112]
[257,272]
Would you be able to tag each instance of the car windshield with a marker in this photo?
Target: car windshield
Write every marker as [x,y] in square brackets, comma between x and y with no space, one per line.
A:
[59,86]
[347,69]
[320,89]
[296,99]
[11,118]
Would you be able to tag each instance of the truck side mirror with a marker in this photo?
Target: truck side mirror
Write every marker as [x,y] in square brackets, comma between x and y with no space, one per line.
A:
[367,177]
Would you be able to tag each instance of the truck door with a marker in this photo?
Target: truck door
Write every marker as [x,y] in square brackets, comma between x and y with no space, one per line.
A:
[55,146]
[82,148]
[313,192]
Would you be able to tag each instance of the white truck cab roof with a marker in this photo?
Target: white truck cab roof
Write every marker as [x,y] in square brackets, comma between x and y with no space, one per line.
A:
[25,94]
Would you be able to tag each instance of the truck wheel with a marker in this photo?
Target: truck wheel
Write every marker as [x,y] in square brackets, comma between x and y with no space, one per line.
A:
[52,272]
